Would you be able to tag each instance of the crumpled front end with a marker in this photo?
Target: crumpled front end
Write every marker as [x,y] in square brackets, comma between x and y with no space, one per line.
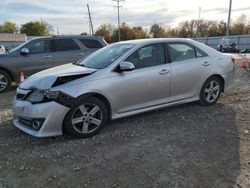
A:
[40,120]
[39,107]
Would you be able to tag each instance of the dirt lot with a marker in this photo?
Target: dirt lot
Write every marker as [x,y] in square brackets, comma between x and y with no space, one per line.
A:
[184,146]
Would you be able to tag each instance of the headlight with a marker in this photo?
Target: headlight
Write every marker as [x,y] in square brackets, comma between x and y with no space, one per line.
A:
[35,96]
[42,95]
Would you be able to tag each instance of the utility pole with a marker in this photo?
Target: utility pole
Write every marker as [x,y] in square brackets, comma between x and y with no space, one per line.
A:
[90,22]
[198,24]
[229,17]
[57,28]
[118,17]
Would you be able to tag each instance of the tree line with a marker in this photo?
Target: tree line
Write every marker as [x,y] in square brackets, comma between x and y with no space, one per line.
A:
[185,29]
[33,28]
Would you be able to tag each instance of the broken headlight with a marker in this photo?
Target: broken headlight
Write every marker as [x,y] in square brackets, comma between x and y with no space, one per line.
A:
[42,96]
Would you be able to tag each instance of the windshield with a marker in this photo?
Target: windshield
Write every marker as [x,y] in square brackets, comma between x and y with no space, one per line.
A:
[105,56]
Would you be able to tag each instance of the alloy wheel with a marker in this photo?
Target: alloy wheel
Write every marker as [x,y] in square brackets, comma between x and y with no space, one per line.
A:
[212,91]
[86,118]
[3,82]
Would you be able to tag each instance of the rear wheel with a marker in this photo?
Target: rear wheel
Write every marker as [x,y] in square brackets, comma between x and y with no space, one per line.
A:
[210,91]
[5,81]
[86,118]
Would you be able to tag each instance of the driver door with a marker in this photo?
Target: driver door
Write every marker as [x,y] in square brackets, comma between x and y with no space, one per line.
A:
[38,59]
[145,86]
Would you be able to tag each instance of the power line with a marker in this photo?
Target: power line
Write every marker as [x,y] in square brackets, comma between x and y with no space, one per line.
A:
[118,17]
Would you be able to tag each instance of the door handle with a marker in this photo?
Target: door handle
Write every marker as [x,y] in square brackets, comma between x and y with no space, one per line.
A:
[164,71]
[47,56]
[205,64]
[82,53]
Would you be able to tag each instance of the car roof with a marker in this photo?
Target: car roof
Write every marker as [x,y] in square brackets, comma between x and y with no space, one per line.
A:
[69,36]
[150,40]
[140,42]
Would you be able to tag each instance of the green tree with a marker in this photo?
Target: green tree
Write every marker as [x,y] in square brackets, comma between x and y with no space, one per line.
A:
[140,33]
[240,26]
[127,33]
[222,28]
[36,28]
[171,32]
[8,27]
[106,31]
[157,31]
[188,29]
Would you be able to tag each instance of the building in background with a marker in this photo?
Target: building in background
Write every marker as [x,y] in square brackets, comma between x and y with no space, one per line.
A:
[11,40]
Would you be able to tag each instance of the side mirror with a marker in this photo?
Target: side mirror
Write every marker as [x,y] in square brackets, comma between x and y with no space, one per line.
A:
[126,66]
[24,51]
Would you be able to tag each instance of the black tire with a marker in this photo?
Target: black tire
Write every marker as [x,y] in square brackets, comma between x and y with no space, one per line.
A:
[204,95]
[5,77]
[72,129]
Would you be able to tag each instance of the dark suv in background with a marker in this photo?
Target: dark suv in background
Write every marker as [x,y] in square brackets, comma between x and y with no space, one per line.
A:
[45,52]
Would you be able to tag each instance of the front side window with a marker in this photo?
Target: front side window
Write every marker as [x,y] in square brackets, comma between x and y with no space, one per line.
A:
[105,56]
[60,45]
[148,56]
[39,46]
[181,51]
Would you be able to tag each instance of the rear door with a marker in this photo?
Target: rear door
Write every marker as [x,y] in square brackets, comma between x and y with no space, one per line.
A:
[65,51]
[190,67]
[38,59]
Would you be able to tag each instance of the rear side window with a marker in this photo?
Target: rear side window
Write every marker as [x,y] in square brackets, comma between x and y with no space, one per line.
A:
[59,45]
[90,43]
[181,51]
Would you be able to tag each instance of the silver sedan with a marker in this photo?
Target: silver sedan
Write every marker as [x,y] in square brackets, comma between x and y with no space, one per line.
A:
[122,79]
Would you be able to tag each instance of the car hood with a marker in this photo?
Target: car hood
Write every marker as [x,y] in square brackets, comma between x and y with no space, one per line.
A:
[47,78]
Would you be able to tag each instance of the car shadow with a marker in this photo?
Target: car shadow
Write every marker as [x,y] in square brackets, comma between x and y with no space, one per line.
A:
[183,146]
[190,145]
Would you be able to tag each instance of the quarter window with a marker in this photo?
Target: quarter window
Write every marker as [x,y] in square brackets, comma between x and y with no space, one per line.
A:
[181,51]
[40,46]
[200,53]
[59,45]
[148,56]
[90,43]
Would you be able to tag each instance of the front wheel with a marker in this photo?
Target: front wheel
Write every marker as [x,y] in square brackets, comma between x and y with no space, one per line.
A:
[210,91]
[87,117]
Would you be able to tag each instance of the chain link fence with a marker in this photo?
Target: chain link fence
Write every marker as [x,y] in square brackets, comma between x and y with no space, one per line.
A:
[243,41]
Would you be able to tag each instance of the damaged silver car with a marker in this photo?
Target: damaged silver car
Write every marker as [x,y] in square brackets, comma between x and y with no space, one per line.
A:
[119,80]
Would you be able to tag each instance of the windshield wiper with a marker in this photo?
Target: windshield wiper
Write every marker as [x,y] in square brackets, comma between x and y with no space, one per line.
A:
[77,63]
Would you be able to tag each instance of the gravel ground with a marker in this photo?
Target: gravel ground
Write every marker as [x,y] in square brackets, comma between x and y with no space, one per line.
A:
[183,146]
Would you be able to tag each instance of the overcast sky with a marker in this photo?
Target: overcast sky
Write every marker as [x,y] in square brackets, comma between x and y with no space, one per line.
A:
[71,17]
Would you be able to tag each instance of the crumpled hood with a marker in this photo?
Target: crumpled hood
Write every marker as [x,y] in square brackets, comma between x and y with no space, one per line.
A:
[45,79]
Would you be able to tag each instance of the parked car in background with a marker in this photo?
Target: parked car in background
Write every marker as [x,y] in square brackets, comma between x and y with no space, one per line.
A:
[45,52]
[119,80]
[227,46]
